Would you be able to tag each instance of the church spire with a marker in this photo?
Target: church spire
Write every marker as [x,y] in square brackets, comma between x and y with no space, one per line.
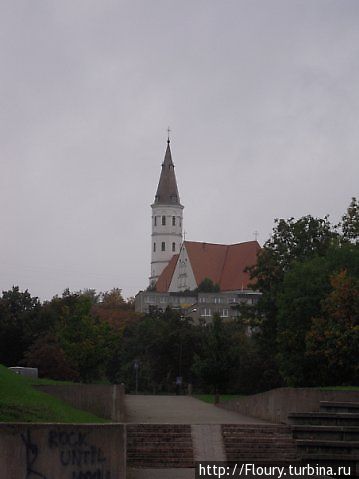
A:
[167,214]
[167,191]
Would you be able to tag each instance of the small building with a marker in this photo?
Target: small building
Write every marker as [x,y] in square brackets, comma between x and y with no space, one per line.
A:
[199,306]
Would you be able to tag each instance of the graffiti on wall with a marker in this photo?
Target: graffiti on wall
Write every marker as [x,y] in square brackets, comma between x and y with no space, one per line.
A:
[78,457]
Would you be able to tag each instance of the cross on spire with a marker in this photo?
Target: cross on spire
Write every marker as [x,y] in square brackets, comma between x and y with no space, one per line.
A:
[256,235]
[168,134]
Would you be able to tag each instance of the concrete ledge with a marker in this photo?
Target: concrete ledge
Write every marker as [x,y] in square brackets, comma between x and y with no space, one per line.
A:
[70,451]
[275,405]
[104,400]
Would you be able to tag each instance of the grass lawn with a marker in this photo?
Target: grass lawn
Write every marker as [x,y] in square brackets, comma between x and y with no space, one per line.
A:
[210,397]
[20,402]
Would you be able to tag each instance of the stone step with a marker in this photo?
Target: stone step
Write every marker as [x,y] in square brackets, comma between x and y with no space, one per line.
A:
[259,447]
[339,433]
[159,446]
[170,450]
[329,457]
[251,443]
[256,436]
[259,429]
[328,447]
[324,418]
[339,406]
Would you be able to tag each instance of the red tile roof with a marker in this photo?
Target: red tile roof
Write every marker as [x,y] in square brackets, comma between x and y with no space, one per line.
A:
[223,264]
[164,280]
[239,257]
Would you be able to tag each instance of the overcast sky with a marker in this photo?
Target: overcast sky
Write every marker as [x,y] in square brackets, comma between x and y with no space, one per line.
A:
[262,97]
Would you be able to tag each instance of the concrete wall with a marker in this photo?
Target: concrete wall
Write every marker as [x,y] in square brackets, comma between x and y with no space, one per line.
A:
[104,400]
[53,451]
[275,405]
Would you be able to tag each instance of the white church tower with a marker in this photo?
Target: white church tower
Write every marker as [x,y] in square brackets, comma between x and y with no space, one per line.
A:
[166,219]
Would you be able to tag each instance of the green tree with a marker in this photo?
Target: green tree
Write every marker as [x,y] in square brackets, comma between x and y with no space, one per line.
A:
[47,355]
[88,343]
[163,343]
[350,222]
[207,286]
[303,290]
[333,339]
[20,323]
[217,360]
[292,241]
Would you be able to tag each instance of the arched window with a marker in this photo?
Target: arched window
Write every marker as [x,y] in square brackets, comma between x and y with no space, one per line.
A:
[154,247]
[163,246]
[173,221]
[155,220]
[173,246]
[163,221]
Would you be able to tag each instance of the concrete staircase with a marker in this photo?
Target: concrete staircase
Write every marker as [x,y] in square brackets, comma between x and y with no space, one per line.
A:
[159,446]
[330,436]
[262,444]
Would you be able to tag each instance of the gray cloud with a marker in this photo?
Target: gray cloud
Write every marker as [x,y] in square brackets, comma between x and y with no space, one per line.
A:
[262,98]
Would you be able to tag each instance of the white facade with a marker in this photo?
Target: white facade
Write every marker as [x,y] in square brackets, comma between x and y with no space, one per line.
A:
[166,238]
[183,277]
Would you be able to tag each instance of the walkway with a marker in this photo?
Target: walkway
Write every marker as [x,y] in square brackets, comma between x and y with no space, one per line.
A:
[176,410]
[180,410]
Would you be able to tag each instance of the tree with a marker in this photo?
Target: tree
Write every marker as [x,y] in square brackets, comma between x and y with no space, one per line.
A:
[20,322]
[114,310]
[304,288]
[350,222]
[89,343]
[207,286]
[163,343]
[47,355]
[216,362]
[333,339]
[292,241]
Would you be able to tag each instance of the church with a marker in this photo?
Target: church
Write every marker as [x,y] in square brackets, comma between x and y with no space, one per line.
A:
[179,267]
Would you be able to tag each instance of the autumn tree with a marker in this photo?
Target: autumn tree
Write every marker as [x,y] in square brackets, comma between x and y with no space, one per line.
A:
[333,339]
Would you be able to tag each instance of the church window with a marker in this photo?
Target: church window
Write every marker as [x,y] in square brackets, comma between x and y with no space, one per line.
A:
[173,221]
[163,221]
[163,246]
[173,246]
[154,247]
[155,220]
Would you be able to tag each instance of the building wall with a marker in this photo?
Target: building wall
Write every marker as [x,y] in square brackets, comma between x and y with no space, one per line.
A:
[168,234]
[183,277]
[199,306]
[145,300]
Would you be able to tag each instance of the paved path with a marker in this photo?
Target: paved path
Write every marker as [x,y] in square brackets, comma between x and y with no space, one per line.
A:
[176,410]
[180,410]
